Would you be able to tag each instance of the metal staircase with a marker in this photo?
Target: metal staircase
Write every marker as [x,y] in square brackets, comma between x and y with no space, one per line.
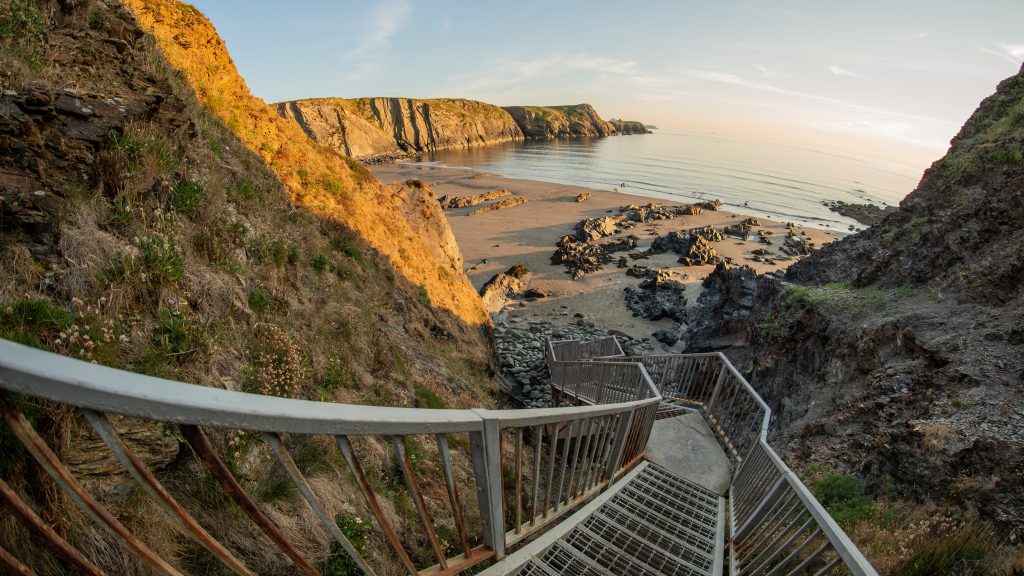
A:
[567,491]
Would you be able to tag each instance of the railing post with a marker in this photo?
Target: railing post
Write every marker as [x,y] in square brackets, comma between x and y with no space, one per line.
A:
[485,449]
[718,385]
[619,445]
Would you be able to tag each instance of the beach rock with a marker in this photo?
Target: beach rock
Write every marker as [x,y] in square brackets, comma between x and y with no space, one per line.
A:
[507,203]
[659,296]
[622,245]
[693,210]
[711,205]
[693,246]
[518,271]
[534,293]
[453,202]
[700,253]
[583,196]
[594,228]
[579,257]
[500,290]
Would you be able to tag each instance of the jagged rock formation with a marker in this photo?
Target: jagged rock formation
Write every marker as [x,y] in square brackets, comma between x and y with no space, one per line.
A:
[499,205]
[390,127]
[560,121]
[899,355]
[627,127]
[660,295]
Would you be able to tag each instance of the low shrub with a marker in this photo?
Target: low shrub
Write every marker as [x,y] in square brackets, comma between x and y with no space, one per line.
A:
[844,498]
[187,196]
[339,563]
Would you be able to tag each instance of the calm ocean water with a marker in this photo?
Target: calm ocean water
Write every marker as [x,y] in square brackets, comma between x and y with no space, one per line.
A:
[755,178]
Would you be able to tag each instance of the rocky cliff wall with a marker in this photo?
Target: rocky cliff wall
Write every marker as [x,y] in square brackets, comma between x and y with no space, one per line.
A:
[560,121]
[375,127]
[897,354]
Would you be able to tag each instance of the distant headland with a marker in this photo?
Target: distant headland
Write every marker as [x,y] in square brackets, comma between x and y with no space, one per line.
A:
[379,129]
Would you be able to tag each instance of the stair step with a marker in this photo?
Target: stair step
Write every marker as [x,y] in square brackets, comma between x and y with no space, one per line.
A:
[656,523]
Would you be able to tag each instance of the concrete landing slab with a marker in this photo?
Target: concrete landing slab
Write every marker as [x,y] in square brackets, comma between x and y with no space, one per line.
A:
[685,446]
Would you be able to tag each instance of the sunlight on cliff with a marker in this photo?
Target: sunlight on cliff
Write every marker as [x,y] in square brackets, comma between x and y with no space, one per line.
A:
[406,225]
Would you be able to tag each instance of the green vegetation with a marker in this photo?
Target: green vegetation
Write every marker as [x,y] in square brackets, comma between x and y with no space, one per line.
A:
[246,190]
[187,196]
[339,563]
[33,321]
[260,301]
[177,334]
[319,262]
[844,498]
[294,255]
[161,259]
[22,24]
[427,399]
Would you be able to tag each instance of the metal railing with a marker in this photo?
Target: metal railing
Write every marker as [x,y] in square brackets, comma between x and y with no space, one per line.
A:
[529,467]
[776,525]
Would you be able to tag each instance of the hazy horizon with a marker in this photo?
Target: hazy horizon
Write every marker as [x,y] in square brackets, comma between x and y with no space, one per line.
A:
[881,80]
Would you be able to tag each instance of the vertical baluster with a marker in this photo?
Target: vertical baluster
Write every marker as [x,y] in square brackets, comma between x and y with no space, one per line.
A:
[371,499]
[570,491]
[201,445]
[592,425]
[519,481]
[156,492]
[453,492]
[27,517]
[552,452]
[12,565]
[70,485]
[565,461]
[398,442]
[538,442]
[285,458]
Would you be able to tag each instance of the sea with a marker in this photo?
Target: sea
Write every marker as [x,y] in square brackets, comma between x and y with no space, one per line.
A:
[779,182]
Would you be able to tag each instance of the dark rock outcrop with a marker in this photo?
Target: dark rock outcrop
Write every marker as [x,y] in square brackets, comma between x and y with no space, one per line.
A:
[864,213]
[660,295]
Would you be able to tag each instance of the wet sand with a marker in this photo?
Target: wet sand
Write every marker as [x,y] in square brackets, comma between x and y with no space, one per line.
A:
[527,234]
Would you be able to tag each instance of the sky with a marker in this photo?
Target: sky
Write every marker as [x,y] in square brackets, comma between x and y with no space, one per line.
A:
[893,79]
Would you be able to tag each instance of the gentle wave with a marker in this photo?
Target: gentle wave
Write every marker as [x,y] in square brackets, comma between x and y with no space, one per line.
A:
[754,178]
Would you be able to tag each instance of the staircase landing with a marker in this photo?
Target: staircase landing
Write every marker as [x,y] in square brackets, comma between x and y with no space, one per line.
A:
[686,446]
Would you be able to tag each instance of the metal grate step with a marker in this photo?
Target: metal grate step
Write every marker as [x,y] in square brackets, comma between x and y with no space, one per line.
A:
[657,523]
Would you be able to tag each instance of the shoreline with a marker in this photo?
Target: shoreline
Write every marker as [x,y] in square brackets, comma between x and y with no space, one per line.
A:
[527,234]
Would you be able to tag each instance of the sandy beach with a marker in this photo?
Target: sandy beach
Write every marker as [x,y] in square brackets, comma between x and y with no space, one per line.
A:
[527,234]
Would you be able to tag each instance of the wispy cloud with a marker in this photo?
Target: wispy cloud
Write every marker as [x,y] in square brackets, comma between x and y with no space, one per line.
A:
[1013,53]
[844,72]
[918,36]
[507,74]
[838,114]
[386,19]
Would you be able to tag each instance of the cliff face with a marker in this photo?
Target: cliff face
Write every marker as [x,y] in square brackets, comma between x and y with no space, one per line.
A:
[897,354]
[368,127]
[161,213]
[627,127]
[560,121]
